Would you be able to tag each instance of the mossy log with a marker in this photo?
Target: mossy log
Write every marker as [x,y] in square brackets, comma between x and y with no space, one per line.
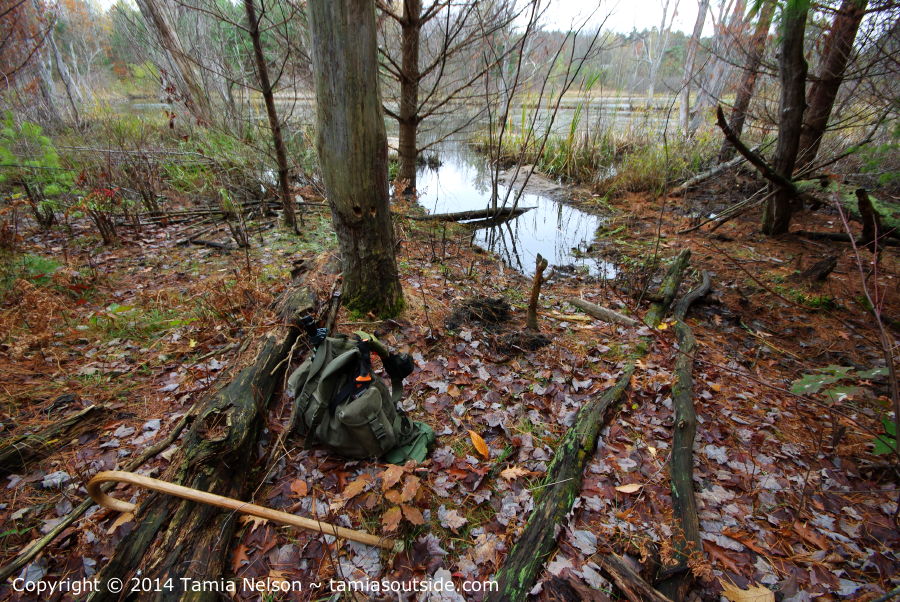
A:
[555,498]
[181,539]
[564,477]
[688,544]
[22,450]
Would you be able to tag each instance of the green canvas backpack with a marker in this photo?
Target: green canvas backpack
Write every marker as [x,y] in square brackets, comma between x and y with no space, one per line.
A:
[343,405]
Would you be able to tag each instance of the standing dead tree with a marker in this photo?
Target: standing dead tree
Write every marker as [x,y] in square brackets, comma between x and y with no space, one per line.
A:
[690,59]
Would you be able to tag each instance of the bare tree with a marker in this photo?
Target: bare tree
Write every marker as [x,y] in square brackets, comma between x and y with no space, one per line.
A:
[265,84]
[434,71]
[352,148]
[750,68]
[655,55]
[690,58]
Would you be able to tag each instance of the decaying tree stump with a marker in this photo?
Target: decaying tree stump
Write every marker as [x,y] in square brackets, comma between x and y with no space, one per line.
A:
[176,538]
[540,264]
[22,450]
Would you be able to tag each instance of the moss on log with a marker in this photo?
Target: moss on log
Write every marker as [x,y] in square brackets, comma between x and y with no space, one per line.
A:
[562,484]
[688,544]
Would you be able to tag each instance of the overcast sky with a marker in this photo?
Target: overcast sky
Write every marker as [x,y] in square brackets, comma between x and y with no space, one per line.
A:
[620,15]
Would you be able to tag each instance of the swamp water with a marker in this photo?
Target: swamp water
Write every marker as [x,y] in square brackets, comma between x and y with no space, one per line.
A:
[559,232]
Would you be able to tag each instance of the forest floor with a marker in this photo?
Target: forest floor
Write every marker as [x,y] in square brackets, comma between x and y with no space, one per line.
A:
[791,496]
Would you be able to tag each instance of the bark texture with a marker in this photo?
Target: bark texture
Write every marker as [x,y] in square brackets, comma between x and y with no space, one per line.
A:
[352,151]
[792,71]
[825,86]
[410,27]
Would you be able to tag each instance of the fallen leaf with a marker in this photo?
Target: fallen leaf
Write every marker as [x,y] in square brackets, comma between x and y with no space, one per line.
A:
[391,518]
[391,476]
[256,521]
[514,472]
[450,519]
[479,444]
[410,488]
[629,488]
[392,496]
[299,488]
[413,514]
[754,593]
[239,558]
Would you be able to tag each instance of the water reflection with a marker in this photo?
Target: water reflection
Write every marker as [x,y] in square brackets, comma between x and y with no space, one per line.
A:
[553,229]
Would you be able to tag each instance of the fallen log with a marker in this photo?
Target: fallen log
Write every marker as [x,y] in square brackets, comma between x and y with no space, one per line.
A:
[712,172]
[22,450]
[175,538]
[602,313]
[627,580]
[688,546]
[459,216]
[32,550]
[562,483]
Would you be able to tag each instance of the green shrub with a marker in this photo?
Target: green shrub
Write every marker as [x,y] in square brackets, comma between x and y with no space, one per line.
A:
[28,159]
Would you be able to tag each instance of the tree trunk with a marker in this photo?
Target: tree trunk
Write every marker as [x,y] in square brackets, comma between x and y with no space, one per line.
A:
[265,84]
[73,94]
[352,151]
[689,59]
[193,95]
[175,538]
[712,87]
[837,50]
[748,81]
[792,67]
[408,120]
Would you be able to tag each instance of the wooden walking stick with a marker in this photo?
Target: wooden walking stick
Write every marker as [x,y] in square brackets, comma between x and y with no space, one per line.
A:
[220,501]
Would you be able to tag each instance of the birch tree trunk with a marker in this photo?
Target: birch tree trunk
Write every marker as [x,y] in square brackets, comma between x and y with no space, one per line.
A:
[689,60]
[195,98]
[824,89]
[352,149]
[792,70]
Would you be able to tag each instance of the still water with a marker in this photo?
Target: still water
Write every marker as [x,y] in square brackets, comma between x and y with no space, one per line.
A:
[554,229]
